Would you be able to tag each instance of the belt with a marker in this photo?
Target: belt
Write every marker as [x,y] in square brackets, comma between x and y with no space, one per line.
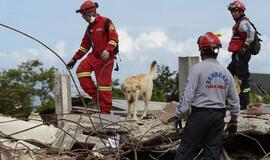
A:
[204,109]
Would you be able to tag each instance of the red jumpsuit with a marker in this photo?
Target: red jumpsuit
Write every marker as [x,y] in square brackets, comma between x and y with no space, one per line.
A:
[99,41]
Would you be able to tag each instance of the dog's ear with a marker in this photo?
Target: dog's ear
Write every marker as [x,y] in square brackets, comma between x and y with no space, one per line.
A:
[123,88]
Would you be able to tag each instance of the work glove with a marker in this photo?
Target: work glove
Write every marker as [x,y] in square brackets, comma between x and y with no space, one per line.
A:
[177,123]
[71,63]
[105,55]
[232,126]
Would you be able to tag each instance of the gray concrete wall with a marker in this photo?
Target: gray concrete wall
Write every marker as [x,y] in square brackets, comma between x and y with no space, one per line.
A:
[62,96]
[184,65]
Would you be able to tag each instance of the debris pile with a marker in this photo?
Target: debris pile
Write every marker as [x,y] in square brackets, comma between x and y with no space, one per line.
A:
[94,136]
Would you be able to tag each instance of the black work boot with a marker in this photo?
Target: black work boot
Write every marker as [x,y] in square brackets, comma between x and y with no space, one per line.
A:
[244,100]
[92,105]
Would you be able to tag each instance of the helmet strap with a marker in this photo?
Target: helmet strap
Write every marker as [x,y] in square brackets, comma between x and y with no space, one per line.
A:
[211,50]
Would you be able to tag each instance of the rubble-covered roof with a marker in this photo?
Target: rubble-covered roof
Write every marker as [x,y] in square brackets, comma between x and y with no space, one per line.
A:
[260,83]
[100,135]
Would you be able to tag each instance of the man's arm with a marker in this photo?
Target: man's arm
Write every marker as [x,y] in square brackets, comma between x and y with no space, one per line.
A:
[84,47]
[246,27]
[113,38]
[188,93]
[233,98]
[234,106]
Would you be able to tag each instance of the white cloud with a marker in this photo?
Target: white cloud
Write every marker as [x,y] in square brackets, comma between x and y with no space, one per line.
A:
[3,55]
[60,48]
[151,40]
[42,54]
[184,48]
[224,57]
[140,47]
[126,43]
[169,50]
[226,35]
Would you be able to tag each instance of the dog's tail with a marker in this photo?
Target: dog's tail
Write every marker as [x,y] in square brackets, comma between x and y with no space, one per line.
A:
[153,69]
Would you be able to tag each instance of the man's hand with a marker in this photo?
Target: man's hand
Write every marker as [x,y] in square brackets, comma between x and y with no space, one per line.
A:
[177,123]
[232,127]
[71,63]
[244,49]
[105,55]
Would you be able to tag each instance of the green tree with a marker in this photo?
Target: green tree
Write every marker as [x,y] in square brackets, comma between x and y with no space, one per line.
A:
[116,92]
[22,88]
[254,98]
[165,85]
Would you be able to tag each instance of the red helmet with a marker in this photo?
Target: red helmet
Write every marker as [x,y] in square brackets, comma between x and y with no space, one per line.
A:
[236,5]
[87,7]
[208,41]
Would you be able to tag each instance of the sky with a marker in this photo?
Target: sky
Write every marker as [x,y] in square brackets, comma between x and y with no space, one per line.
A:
[148,30]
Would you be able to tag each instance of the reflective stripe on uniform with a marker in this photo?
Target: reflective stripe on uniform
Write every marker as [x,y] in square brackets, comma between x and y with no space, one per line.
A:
[112,42]
[104,88]
[83,49]
[246,90]
[84,74]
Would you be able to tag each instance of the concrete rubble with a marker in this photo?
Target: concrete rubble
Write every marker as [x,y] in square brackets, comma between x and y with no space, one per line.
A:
[23,130]
[99,135]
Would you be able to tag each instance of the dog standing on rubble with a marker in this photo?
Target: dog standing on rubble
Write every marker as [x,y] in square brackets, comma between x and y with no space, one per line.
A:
[137,87]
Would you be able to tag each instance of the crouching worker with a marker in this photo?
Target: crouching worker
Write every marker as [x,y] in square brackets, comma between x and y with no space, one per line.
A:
[209,88]
[102,37]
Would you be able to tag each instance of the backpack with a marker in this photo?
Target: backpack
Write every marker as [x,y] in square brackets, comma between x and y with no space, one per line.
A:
[116,49]
[106,32]
[255,46]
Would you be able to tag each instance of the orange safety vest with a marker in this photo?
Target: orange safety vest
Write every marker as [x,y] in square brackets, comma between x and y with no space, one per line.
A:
[238,38]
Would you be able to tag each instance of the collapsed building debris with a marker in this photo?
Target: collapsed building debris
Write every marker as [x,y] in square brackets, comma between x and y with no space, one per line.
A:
[83,133]
[115,137]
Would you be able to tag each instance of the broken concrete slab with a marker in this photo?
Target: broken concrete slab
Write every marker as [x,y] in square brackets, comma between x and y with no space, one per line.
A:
[28,155]
[153,105]
[167,112]
[103,123]
[98,144]
[105,119]
[255,124]
[66,139]
[35,118]
[152,127]
[26,130]
[19,145]
[73,132]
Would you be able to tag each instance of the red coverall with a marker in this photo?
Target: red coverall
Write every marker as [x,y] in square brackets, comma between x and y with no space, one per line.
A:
[99,41]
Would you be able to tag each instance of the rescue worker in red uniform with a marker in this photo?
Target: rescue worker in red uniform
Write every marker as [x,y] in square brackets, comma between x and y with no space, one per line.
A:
[243,36]
[100,60]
